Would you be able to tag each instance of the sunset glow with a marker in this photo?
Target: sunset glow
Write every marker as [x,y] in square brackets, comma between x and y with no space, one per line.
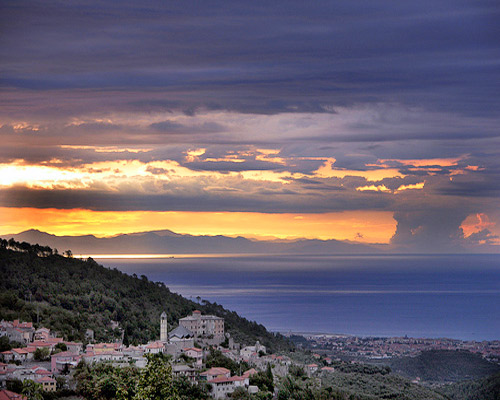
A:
[368,227]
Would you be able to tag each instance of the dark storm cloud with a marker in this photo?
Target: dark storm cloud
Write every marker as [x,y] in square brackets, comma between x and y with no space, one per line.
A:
[175,127]
[433,229]
[233,166]
[263,200]
[259,56]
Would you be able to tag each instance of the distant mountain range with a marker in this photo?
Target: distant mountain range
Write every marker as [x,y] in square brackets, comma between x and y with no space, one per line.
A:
[168,242]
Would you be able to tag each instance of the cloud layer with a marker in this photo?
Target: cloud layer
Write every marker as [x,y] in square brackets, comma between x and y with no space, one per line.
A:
[255,107]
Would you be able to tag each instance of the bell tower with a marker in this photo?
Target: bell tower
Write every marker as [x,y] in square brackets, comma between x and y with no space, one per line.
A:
[163,327]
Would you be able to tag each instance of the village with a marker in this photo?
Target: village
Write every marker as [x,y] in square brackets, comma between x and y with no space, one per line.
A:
[48,360]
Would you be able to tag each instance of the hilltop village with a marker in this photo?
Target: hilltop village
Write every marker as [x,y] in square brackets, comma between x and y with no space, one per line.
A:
[48,359]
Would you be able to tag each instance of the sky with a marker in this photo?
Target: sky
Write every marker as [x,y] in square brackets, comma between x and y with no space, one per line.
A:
[368,121]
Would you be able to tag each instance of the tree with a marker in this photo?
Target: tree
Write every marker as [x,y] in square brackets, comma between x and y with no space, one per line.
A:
[4,344]
[68,253]
[263,381]
[61,346]
[156,381]
[240,394]
[32,390]
[189,391]
[41,354]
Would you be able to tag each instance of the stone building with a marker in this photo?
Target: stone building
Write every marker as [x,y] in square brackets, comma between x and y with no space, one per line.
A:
[163,327]
[204,325]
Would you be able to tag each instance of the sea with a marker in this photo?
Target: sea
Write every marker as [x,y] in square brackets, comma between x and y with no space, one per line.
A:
[431,296]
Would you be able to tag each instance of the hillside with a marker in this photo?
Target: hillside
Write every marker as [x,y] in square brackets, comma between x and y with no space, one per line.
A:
[444,366]
[71,296]
[168,242]
[481,389]
[365,386]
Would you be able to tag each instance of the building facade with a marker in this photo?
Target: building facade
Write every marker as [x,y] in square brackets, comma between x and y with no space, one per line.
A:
[204,325]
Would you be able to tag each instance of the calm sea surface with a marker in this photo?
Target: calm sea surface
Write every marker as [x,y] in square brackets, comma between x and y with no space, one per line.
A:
[454,296]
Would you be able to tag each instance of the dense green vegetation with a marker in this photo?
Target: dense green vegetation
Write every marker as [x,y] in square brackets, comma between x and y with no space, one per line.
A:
[70,295]
[217,359]
[103,381]
[444,366]
[480,389]
[378,386]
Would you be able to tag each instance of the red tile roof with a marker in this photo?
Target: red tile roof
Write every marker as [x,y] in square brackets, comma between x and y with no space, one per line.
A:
[8,395]
[216,371]
[45,379]
[65,354]
[250,372]
[192,349]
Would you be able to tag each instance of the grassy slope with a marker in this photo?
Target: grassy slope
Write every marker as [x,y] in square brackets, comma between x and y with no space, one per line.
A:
[73,295]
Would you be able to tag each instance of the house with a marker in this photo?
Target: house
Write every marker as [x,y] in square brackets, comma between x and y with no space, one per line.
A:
[104,347]
[155,347]
[38,344]
[48,384]
[184,370]
[250,372]
[59,361]
[40,372]
[42,334]
[31,373]
[90,357]
[252,352]
[215,372]
[133,351]
[17,331]
[196,353]
[74,347]
[8,395]
[311,369]
[7,355]
[327,369]
[223,386]
[23,355]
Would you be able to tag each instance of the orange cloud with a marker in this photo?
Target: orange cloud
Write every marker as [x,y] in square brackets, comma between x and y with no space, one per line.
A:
[426,162]
[328,171]
[475,223]
[373,188]
[415,186]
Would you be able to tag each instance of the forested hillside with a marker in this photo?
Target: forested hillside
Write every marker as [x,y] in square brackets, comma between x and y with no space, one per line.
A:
[69,296]
[481,389]
[444,366]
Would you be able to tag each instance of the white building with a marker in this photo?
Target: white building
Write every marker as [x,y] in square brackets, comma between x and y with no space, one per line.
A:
[223,386]
[196,353]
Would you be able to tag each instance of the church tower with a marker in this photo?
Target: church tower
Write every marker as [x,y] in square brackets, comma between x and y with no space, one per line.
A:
[163,327]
